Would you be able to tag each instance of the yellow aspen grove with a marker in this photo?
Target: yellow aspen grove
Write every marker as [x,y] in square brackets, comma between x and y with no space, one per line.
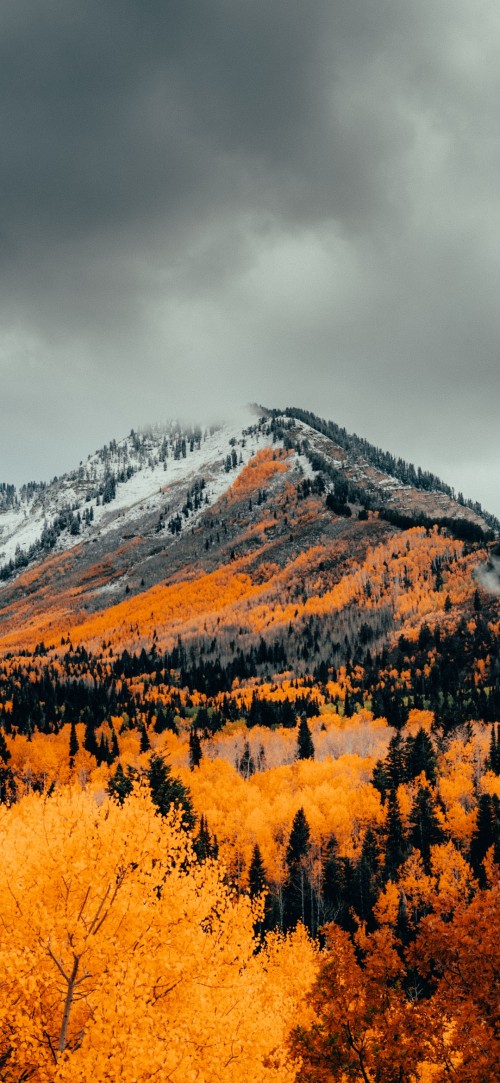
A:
[123,959]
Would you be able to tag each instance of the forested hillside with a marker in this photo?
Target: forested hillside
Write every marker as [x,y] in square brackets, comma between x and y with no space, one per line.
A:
[250,771]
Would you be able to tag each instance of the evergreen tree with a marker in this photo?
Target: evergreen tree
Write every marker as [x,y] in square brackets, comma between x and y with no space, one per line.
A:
[89,739]
[5,755]
[145,743]
[333,884]
[73,745]
[165,720]
[204,845]
[167,791]
[381,780]
[425,828]
[247,763]
[115,748]
[296,891]
[195,751]
[493,761]
[485,834]
[257,883]
[305,746]
[120,785]
[395,762]
[365,879]
[420,756]
[396,849]
[256,873]
[102,751]
[7,779]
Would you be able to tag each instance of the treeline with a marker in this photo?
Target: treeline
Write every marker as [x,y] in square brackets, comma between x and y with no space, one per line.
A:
[397,467]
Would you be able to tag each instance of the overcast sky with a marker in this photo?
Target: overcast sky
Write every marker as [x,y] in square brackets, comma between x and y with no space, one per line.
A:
[214,202]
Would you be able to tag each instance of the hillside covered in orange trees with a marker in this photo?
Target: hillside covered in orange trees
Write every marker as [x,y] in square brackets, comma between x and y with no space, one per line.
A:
[249,766]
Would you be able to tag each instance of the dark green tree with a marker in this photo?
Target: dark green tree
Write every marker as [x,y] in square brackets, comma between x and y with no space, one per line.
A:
[120,785]
[305,746]
[420,756]
[395,761]
[145,743]
[167,791]
[396,847]
[333,902]
[7,779]
[73,745]
[246,765]
[115,748]
[195,750]
[381,779]
[493,761]
[485,834]
[204,844]
[425,829]
[257,883]
[297,887]
[89,739]
[366,879]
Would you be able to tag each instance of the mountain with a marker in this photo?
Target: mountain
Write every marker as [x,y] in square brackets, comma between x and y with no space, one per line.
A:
[249,682]
[286,546]
[165,503]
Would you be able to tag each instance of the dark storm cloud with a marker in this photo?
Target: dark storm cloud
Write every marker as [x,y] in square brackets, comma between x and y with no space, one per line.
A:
[203,203]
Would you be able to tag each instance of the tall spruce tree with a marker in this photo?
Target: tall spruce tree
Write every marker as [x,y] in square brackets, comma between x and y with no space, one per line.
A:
[425,829]
[396,848]
[305,745]
[167,791]
[297,888]
[73,744]
[420,757]
[195,750]
[120,785]
[485,835]
[7,780]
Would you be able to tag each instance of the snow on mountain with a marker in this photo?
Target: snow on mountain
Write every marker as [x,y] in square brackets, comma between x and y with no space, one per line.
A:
[119,483]
[156,481]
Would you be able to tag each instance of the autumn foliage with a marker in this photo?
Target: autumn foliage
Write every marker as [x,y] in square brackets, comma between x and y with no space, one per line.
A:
[124,959]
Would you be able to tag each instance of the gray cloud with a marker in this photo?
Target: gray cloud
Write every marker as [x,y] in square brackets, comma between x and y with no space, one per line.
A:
[203,204]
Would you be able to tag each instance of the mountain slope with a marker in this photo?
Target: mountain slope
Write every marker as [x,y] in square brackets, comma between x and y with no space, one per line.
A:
[272,513]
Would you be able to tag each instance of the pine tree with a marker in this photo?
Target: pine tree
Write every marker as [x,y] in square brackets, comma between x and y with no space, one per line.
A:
[493,761]
[425,830]
[167,791]
[115,748]
[119,785]
[333,893]
[204,845]
[195,751]
[7,779]
[485,834]
[396,850]
[296,891]
[89,739]
[420,756]
[102,751]
[256,873]
[381,780]
[145,743]
[365,879]
[395,762]
[257,884]
[73,745]
[305,746]
[247,763]
[5,755]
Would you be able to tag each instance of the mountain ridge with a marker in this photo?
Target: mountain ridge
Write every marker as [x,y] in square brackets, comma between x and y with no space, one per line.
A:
[34,519]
